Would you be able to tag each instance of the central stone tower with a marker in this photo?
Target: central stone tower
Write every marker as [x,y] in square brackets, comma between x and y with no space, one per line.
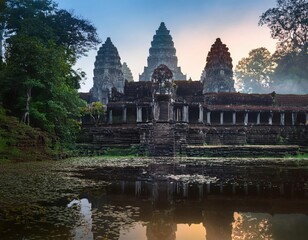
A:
[162,51]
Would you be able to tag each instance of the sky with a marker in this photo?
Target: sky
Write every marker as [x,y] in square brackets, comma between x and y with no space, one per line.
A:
[194,26]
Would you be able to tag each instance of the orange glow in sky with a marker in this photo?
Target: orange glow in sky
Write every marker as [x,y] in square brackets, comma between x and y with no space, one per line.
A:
[194,26]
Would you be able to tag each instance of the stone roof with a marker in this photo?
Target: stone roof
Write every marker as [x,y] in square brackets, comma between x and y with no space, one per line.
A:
[138,91]
[86,96]
[291,100]
[238,99]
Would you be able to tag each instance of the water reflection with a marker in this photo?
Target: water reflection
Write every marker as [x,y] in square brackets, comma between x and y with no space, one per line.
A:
[187,220]
[84,230]
[165,201]
[173,201]
[176,210]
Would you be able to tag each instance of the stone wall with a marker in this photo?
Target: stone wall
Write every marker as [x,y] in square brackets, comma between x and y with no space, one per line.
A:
[170,139]
[242,151]
[252,135]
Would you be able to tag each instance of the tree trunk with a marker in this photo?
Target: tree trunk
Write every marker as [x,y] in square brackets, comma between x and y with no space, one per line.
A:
[26,117]
[1,40]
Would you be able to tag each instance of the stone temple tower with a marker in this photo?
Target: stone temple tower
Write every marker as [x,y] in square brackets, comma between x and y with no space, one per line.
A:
[217,75]
[127,73]
[162,51]
[107,73]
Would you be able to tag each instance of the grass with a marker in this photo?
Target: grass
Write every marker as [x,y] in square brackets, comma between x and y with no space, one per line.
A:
[20,142]
[299,156]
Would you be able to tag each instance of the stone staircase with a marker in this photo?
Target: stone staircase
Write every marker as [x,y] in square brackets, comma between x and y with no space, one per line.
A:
[162,142]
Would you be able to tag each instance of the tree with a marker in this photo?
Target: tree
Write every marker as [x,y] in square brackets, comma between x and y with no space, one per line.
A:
[39,84]
[288,23]
[96,111]
[254,72]
[291,73]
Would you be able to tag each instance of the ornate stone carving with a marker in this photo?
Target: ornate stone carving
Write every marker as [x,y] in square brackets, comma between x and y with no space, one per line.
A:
[162,79]
[217,75]
[107,73]
[162,51]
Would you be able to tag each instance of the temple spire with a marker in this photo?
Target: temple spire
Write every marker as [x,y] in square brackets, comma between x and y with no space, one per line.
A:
[127,73]
[162,51]
[107,72]
[217,75]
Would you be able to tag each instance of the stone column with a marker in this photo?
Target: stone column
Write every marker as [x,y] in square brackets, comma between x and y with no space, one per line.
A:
[185,114]
[221,118]
[246,119]
[234,118]
[282,117]
[208,117]
[124,112]
[270,119]
[110,117]
[170,115]
[294,116]
[176,115]
[306,119]
[258,118]
[139,114]
[200,113]
[156,111]
[179,114]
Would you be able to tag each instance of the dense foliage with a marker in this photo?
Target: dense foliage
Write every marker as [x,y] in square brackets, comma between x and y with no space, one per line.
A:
[254,72]
[288,23]
[38,83]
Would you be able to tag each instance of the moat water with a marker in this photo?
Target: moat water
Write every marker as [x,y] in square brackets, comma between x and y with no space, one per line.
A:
[96,198]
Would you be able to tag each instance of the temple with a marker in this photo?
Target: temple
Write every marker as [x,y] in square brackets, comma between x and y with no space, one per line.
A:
[162,51]
[127,73]
[217,75]
[108,73]
[166,115]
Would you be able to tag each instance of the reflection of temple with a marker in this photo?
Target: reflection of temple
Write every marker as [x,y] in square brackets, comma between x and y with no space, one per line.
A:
[160,220]
[166,115]
[151,203]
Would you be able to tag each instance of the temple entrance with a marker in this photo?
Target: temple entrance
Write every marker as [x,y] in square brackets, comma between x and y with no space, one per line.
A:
[163,111]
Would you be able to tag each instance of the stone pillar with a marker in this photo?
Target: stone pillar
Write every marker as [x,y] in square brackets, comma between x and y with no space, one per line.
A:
[282,117]
[294,116]
[306,119]
[246,119]
[270,119]
[170,108]
[156,111]
[221,118]
[258,118]
[200,113]
[185,114]
[208,117]
[110,117]
[179,114]
[139,114]
[234,118]
[124,112]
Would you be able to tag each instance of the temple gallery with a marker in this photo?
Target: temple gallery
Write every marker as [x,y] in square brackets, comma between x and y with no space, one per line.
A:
[165,114]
